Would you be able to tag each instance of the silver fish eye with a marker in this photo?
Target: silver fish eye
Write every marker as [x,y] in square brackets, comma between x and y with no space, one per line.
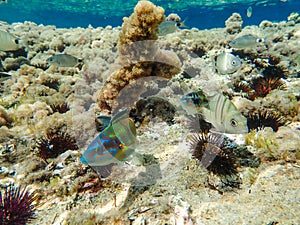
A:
[234,62]
[233,122]
[17,41]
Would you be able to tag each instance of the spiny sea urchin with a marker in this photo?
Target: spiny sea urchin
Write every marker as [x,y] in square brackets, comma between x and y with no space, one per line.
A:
[265,118]
[55,143]
[262,85]
[207,148]
[17,206]
[259,86]
[61,108]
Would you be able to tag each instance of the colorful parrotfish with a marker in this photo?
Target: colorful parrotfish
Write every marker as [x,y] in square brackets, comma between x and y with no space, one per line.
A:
[115,143]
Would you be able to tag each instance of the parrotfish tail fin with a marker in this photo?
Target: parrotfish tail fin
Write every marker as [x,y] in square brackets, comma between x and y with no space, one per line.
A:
[102,122]
[203,99]
[104,171]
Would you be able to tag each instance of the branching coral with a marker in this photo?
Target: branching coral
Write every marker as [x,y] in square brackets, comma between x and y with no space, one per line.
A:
[139,54]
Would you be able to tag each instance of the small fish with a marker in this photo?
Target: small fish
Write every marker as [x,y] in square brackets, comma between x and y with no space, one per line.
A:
[169,26]
[219,111]
[249,12]
[63,60]
[3,1]
[9,42]
[246,41]
[224,116]
[115,143]
[192,102]
[4,76]
[227,63]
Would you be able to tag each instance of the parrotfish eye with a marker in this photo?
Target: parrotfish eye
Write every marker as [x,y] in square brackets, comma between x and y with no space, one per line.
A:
[233,122]
[17,41]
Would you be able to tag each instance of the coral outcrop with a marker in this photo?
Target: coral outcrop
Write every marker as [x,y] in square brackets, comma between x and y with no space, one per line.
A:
[234,24]
[139,54]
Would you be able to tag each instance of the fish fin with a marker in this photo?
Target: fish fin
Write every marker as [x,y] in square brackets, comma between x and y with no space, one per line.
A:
[104,171]
[103,122]
[182,24]
[119,116]
[206,113]
[24,42]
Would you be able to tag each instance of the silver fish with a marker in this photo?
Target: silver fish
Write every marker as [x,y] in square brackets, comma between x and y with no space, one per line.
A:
[246,41]
[9,42]
[63,60]
[227,63]
[249,11]
[224,116]
[168,27]
[4,76]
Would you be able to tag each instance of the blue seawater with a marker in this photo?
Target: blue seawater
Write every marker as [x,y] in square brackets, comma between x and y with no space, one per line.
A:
[202,14]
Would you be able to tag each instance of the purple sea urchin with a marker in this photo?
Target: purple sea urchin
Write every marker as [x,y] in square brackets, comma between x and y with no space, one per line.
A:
[55,143]
[17,206]
[207,148]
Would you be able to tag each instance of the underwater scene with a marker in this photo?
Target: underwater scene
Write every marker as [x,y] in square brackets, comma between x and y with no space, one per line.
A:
[150,112]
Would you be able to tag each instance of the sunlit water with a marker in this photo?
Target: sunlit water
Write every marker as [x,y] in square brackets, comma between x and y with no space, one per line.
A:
[202,14]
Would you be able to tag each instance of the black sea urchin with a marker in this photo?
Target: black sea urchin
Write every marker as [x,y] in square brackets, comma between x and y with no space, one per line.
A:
[61,108]
[55,143]
[207,148]
[265,118]
[17,206]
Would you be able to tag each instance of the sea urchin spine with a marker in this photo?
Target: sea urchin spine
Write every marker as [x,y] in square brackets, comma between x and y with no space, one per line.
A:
[54,144]
[207,148]
[17,206]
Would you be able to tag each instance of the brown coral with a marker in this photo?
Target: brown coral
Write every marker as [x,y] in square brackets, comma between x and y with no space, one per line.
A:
[234,24]
[139,54]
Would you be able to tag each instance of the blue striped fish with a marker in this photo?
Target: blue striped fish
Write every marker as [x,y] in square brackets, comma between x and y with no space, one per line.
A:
[115,143]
